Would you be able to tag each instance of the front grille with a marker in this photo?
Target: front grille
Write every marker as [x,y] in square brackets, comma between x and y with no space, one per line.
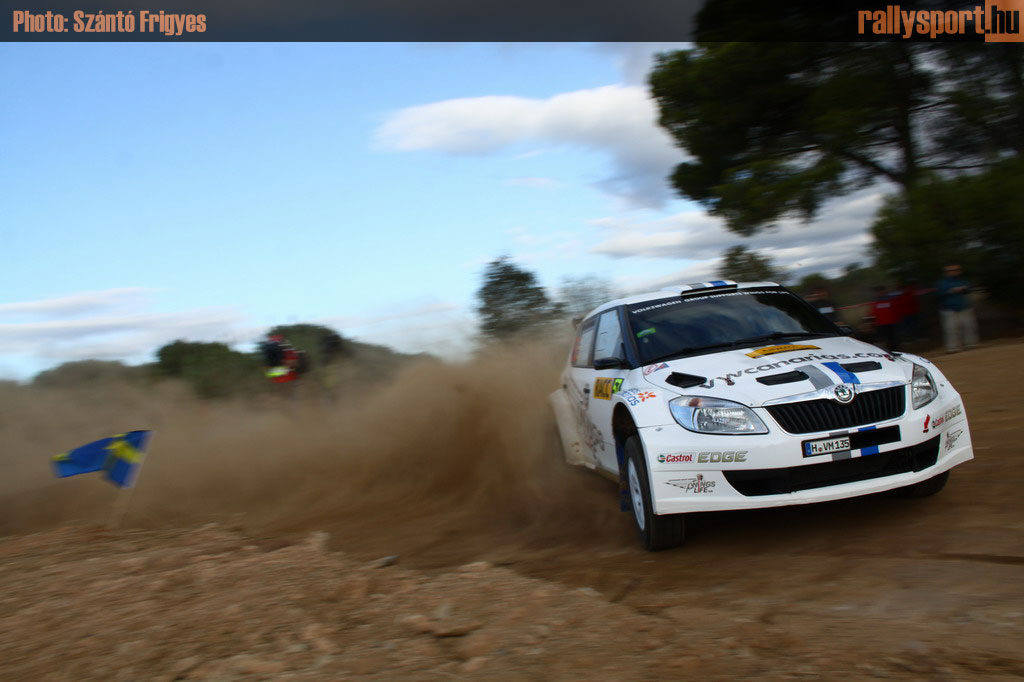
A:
[753,482]
[811,416]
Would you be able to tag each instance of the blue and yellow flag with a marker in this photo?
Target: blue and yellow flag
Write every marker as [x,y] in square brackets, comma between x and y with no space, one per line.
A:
[119,457]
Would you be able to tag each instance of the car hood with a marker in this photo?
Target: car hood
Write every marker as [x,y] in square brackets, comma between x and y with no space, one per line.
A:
[764,372]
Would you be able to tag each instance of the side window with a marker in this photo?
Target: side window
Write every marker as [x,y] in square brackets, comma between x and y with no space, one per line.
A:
[609,337]
[582,352]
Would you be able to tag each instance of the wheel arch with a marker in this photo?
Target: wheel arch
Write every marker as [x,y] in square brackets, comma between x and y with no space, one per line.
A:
[623,426]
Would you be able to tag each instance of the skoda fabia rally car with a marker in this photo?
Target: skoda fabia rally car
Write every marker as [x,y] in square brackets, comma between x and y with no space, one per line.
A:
[720,395]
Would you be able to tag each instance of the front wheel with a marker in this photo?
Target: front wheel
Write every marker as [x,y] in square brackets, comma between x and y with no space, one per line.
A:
[658,532]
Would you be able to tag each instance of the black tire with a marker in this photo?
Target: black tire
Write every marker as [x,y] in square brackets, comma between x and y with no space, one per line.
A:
[658,532]
[925,488]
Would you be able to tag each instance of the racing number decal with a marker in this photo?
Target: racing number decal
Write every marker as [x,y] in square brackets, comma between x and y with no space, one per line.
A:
[603,388]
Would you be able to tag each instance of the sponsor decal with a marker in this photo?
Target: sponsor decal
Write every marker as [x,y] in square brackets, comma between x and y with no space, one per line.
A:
[705,457]
[635,396]
[714,457]
[603,389]
[645,332]
[681,457]
[813,357]
[927,418]
[649,369]
[951,413]
[696,485]
[616,385]
[785,348]
[951,438]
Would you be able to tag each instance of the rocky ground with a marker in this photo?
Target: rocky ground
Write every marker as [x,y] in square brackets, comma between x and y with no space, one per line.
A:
[876,587]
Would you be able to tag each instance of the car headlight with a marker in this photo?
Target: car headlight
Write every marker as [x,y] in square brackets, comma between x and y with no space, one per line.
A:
[922,388]
[713,415]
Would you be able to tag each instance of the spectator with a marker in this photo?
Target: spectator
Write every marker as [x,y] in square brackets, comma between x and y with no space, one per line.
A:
[907,308]
[821,300]
[959,326]
[887,319]
[284,362]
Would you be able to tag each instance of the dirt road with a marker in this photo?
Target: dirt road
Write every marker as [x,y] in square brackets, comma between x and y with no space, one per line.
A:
[556,587]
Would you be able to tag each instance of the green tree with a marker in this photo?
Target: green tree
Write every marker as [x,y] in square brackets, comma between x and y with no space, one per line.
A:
[777,129]
[511,302]
[977,220]
[87,373]
[580,295]
[322,345]
[743,265]
[212,369]
[985,123]
[855,284]
[813,281]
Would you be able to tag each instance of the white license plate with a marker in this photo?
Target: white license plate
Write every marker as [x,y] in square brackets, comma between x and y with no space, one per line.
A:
[826,446]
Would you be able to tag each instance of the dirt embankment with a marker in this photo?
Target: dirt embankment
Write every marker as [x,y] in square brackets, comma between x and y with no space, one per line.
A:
[449,466]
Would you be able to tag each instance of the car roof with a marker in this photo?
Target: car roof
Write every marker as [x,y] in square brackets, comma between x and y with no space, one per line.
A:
[679,290]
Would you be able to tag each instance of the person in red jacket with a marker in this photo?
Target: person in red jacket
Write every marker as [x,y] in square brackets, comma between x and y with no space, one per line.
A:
[907,307]
[886,312]
[284,362]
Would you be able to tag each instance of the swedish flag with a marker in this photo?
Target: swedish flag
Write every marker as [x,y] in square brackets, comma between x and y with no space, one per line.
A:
[119,457]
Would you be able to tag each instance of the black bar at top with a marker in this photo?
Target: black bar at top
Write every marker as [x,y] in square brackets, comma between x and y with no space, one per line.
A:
[481,20]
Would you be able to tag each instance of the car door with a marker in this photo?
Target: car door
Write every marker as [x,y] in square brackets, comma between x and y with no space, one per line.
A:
[579,386]
[608,346]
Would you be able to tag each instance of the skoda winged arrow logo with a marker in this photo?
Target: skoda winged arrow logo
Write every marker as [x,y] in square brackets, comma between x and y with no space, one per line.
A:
[843,393]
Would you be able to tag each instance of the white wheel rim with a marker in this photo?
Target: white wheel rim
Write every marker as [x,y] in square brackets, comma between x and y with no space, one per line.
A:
[636,495]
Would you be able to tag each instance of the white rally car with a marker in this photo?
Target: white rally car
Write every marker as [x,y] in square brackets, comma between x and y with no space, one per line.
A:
[719,395]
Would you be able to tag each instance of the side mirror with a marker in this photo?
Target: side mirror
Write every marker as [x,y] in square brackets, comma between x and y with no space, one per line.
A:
[845,329]
[609,363]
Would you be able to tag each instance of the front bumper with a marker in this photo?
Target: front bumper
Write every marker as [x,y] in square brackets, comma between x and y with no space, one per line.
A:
[695,472]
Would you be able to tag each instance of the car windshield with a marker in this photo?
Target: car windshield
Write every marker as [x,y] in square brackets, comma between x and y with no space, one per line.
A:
[679,326]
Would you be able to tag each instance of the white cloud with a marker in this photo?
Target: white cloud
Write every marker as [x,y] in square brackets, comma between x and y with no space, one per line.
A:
[130,336]
[619,120]
[76,304]
[396,314]
[534,246]
[133,336]
[113,324]
[698,272]
[437,327]
[839,236]
[451,336]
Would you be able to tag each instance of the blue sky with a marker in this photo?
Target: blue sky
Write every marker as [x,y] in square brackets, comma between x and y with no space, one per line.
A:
[206,191]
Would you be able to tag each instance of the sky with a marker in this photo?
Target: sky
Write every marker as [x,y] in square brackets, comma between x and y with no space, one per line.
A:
[152,192]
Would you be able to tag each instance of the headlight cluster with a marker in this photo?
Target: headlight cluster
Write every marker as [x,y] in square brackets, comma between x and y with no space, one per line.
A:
[714,415]
[922,388]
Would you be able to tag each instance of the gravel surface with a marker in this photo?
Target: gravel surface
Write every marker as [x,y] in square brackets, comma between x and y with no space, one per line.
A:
[875,587]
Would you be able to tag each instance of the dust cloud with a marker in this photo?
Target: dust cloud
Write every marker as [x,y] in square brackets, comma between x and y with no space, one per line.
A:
[441,452]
